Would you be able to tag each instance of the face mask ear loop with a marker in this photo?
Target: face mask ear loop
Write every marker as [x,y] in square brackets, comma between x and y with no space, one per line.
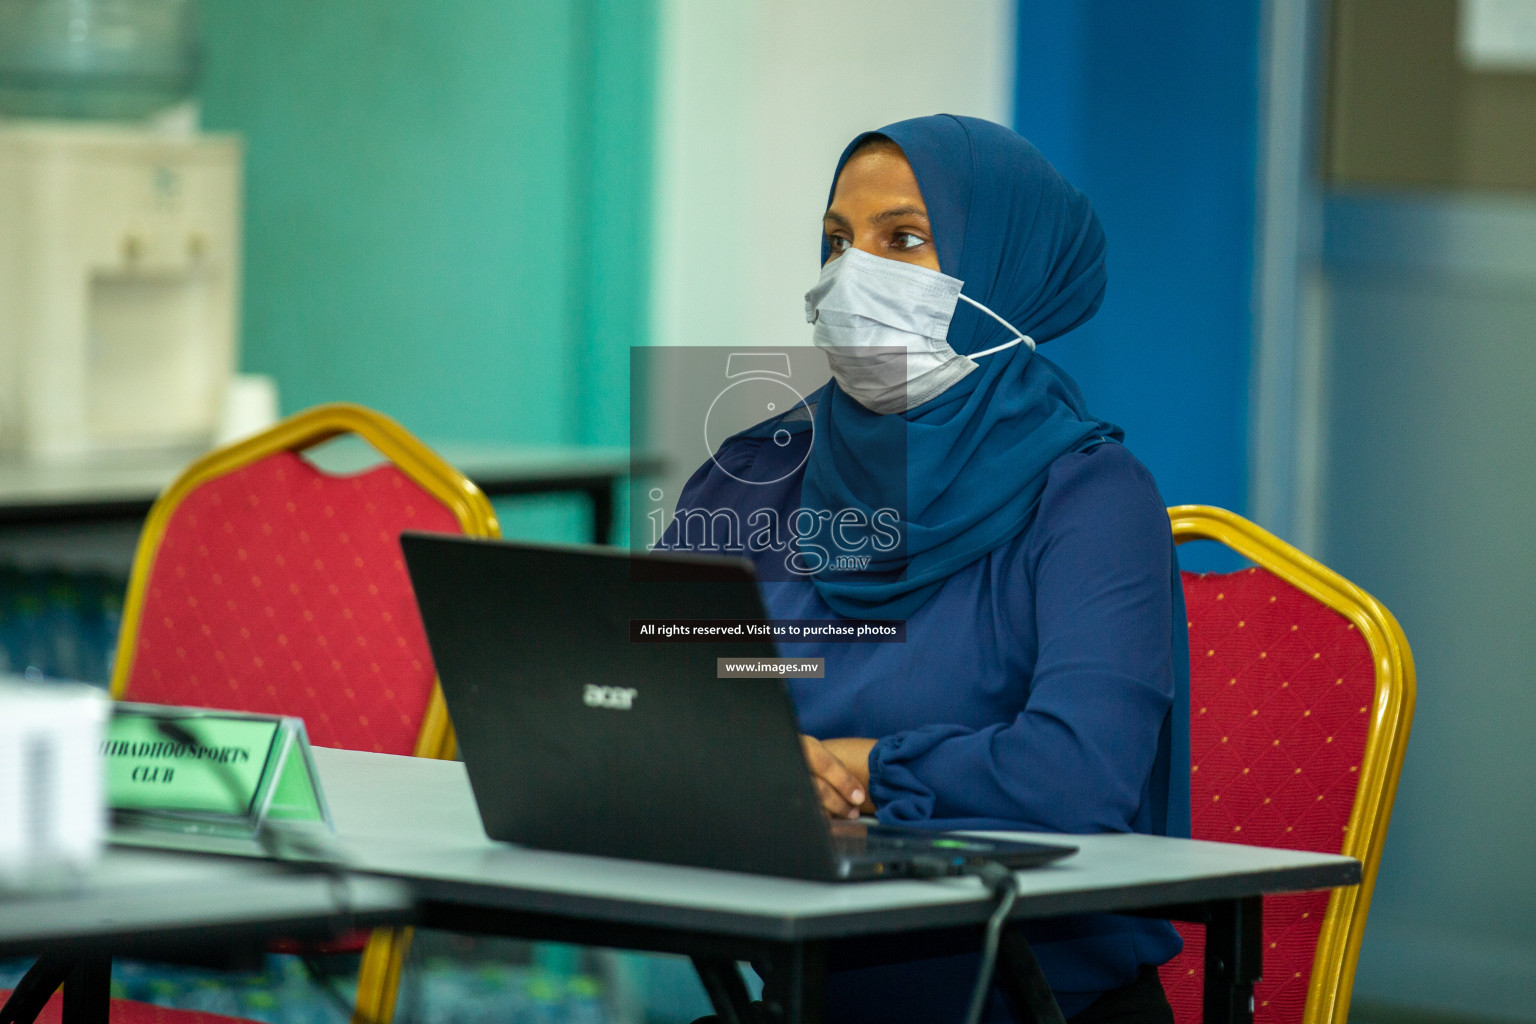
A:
[1021,336]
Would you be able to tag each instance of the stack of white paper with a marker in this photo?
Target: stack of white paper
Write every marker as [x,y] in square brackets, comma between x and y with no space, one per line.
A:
[52,814]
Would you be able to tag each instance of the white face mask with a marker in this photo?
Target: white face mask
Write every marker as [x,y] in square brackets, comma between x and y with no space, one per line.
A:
[884,325]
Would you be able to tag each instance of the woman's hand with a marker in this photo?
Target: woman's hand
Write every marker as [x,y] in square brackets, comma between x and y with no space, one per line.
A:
[840,770]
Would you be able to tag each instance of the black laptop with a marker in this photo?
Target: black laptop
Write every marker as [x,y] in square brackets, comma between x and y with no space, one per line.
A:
[577,738]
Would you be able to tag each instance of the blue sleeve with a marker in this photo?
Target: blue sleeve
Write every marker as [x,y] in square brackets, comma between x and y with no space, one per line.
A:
[1079,757]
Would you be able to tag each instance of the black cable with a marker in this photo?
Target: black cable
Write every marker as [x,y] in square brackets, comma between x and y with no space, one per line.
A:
[327,985]
[282,848]
[1005,888]
[290,849]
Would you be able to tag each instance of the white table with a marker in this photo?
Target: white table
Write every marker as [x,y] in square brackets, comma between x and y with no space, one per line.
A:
[154,904]
[416,821]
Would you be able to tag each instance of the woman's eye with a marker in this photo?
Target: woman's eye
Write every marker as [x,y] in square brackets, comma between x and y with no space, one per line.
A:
[837,243]
[907,240]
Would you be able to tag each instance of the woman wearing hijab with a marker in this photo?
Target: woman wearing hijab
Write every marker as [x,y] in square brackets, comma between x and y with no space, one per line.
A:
[952,477]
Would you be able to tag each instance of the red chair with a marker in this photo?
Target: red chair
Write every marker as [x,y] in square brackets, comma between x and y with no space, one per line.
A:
[263,583]
[1301,697]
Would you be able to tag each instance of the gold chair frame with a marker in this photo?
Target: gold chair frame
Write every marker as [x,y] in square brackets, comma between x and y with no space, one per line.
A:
[1338,943]
[379,975]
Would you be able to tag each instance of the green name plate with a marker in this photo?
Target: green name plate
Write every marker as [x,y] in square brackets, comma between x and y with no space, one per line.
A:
[217,772]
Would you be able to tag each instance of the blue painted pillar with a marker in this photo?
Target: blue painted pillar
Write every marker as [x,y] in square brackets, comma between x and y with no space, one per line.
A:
[1152,109]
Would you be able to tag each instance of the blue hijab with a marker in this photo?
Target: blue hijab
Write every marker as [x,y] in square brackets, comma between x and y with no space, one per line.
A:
[966,469]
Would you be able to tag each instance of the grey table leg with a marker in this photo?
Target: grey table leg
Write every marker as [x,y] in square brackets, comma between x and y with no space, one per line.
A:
[1234,959]
[727,993]
[36,987]
[602,512]
[88,991]
[795,983]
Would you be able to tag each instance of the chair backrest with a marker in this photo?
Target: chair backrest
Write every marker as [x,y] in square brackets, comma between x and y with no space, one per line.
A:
[263,583]
[1301,696]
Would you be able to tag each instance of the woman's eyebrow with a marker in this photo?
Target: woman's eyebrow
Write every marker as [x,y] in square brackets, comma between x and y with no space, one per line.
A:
[898,211]
[837,219]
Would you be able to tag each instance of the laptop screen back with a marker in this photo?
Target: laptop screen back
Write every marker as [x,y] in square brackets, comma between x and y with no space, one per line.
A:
[578,738]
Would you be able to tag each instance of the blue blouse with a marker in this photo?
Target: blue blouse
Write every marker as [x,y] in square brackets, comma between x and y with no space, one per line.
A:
[1035,690]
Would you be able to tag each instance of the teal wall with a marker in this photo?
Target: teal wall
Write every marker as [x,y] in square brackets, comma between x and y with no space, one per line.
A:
[446,207]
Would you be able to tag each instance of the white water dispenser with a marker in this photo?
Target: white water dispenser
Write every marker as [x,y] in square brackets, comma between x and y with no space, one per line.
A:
[119,286]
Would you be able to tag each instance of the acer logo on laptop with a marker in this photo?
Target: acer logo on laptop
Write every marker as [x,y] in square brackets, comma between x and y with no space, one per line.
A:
[615,698]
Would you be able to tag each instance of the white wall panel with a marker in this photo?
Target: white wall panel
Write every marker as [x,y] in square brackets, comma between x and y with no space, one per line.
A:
[756,100]
[1431,318]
